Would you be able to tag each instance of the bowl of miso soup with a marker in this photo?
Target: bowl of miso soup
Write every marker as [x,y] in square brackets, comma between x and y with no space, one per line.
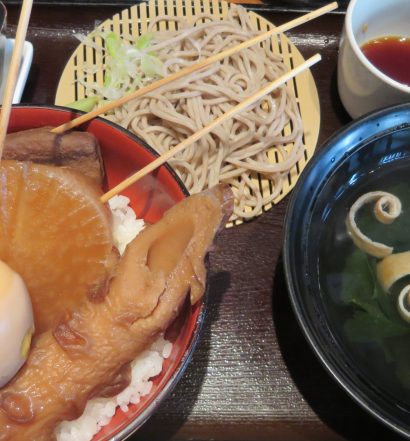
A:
[347,261]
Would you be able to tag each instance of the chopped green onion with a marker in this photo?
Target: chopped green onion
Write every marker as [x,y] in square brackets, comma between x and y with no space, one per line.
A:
[85,104]
[107,78]
[126,68]
[152,66]
[112,44]
[143,41]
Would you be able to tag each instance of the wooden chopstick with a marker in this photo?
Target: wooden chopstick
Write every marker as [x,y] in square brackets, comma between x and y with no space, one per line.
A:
[208,128]
[193,68]
[14,70]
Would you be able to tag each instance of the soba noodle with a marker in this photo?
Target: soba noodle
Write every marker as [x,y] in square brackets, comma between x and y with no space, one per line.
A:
[237,150]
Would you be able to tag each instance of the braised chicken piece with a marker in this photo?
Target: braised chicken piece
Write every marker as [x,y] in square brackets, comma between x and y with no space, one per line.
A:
[91,347]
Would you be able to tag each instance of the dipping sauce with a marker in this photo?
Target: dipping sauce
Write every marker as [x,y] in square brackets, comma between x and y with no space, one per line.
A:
[391,55]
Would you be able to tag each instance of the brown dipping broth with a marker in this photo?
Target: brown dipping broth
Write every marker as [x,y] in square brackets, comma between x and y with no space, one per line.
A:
[391,55]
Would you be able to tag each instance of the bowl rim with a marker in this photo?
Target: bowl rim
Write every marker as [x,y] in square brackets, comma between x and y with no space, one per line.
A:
[179,370]
[149,410]
[330,149]
[100,120]
[364,60]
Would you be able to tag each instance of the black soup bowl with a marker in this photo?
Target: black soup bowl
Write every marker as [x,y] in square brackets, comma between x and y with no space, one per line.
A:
[351,323]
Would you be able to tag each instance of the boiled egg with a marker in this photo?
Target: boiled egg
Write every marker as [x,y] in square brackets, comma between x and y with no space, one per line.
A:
[16,323]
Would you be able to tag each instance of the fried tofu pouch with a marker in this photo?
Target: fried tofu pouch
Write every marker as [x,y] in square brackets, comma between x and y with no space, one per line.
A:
[91,347]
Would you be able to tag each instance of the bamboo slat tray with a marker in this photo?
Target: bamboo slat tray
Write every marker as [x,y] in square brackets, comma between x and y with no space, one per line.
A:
[135,20]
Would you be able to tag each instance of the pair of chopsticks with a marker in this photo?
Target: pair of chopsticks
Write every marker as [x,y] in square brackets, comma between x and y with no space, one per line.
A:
[12,78]
[195,67]
[14,69]
[209,127]
[188,70]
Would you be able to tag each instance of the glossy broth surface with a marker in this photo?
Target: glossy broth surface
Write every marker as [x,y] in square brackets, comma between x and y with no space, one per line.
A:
[347,273]
[391,55]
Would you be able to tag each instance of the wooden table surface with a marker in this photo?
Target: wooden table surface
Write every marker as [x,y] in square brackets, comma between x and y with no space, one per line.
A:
[253,376]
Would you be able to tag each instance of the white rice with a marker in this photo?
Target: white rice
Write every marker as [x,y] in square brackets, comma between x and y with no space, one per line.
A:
[147,365]
[126,225]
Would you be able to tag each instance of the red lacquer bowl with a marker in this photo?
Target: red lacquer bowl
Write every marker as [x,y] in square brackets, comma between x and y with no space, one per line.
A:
[123,154]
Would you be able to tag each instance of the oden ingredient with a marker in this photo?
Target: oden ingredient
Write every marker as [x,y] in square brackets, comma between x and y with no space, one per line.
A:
[16,323]
[56,234]
[88,353]
[77,150]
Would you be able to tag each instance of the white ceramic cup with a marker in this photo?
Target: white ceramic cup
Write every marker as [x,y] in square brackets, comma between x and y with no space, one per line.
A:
[362,87]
